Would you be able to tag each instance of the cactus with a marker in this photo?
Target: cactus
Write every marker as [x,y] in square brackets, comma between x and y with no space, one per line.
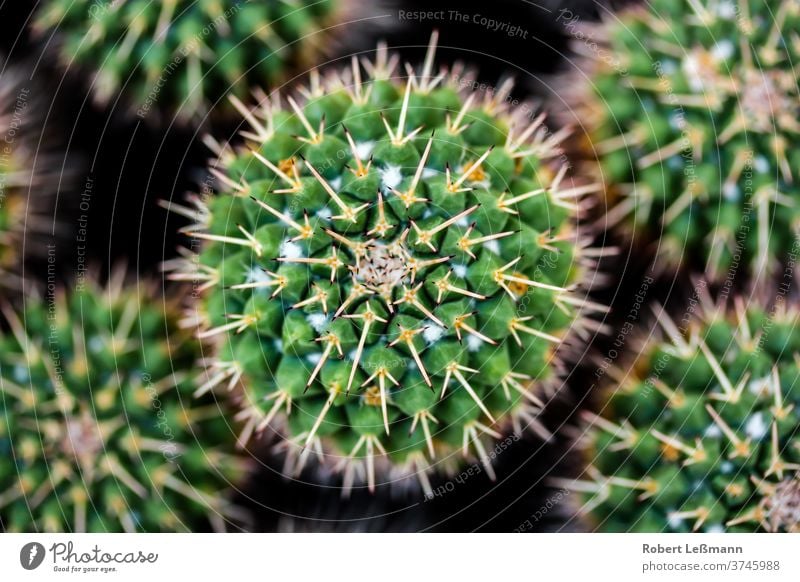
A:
[691,110]
[391,263]
[702,434]
[26,164]
[97,430]
[183,55]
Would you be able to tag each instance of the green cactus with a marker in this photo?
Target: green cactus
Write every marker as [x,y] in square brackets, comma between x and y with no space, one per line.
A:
[702,434]
[691,109]
[97,430]
[391,262]
[184,55]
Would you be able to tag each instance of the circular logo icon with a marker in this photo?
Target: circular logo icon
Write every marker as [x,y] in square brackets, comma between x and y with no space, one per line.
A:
[31,555]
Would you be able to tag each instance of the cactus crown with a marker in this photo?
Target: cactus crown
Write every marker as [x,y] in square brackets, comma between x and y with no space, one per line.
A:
[692,113]
[97,432]
[392,262]
[184,53]
[704,435]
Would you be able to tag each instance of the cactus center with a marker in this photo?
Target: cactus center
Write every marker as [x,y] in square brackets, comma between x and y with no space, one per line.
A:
[782,507]
[383,266]
[82,437]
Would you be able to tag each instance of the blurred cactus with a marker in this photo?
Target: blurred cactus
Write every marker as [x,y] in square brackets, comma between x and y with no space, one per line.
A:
[183,55]
[392,263]
[29,173]
[702,434]
[691,108]
[97,431]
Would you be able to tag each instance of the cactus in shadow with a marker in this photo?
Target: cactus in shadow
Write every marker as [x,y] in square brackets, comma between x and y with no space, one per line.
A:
[30,173]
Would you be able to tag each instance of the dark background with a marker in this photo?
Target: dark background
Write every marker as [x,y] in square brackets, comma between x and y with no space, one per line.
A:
[132,164]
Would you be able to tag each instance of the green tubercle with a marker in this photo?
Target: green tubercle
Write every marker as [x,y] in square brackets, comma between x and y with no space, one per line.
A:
[389,269]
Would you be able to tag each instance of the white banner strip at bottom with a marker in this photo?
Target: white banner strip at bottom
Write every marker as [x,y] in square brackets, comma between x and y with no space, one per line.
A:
[399,557]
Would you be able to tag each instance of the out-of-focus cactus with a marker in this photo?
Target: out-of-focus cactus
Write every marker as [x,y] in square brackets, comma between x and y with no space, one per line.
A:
[98,428]
[702,434]
[29,173]
[691,109]
[183,56]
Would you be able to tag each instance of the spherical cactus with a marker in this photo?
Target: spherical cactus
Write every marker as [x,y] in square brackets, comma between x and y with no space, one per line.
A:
[691,109]
[390,267]
[184,55]
[702,433]
[98,428]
